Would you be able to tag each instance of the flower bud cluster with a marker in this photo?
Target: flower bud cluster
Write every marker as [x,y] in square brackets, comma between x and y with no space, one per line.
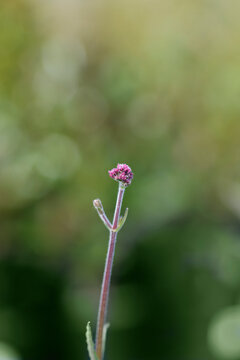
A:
[122,173]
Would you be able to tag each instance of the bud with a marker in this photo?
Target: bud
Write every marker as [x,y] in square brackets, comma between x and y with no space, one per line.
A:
[98,205]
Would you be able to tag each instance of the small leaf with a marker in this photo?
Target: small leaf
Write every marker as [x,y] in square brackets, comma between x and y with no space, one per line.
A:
[105,329]
[90,343]
[121,221]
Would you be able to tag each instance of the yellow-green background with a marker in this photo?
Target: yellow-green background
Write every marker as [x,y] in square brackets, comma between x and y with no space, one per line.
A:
[85,85]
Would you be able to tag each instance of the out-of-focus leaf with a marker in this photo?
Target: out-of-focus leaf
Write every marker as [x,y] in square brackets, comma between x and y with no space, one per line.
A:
[105,329]
[90,344]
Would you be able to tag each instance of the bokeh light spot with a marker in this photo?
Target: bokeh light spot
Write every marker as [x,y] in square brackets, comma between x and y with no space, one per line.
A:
[224,333]
[59,157]
[7,352]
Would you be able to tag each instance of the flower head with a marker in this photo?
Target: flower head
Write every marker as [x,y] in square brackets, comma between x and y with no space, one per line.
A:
[122,173]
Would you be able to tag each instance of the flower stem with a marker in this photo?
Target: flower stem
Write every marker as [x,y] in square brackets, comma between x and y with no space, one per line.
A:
[103,303]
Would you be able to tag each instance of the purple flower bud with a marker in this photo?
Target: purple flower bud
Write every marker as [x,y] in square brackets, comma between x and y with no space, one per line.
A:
[122,173]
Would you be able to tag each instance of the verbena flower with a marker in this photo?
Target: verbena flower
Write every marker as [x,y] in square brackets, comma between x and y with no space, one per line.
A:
[122,173]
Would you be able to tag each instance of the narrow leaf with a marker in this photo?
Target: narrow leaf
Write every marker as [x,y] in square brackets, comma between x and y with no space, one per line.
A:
[105,329]
[122,221]
[90,343]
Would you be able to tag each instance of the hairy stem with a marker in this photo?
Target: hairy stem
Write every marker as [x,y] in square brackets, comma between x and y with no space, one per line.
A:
[103,303]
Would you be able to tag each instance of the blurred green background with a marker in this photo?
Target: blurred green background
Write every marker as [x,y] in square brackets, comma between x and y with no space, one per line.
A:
[85,85]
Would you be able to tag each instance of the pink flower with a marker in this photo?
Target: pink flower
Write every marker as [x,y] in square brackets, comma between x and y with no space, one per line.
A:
[122,173]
